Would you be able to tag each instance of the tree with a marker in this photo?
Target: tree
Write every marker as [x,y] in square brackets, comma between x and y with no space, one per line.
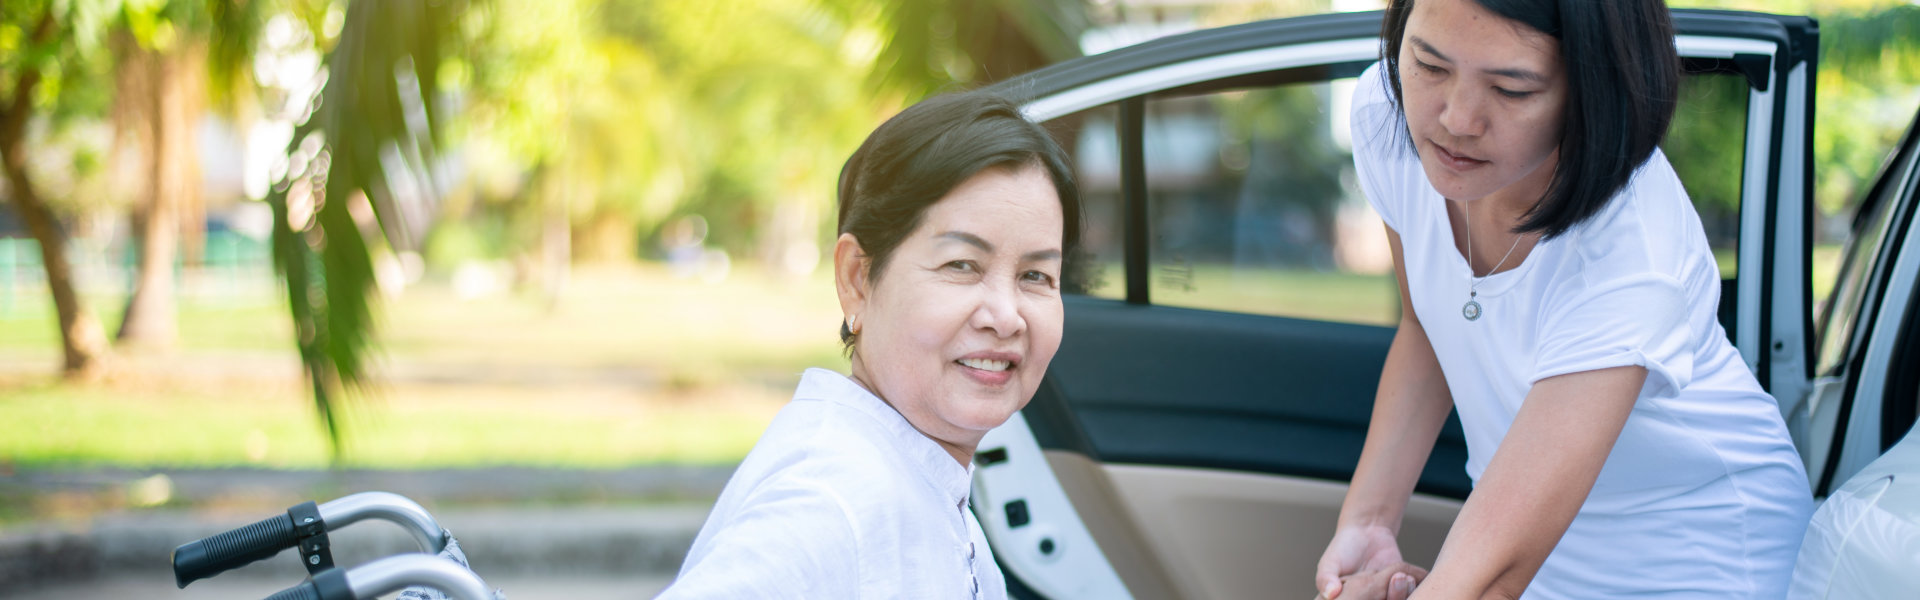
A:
[57,42]
[165,60]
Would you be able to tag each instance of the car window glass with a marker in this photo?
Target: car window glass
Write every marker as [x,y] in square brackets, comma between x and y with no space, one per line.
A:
[1842,310]
[1253,207]
[1091,138]
[1707,146]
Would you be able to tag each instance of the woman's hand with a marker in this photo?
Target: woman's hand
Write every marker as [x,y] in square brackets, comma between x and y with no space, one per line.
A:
[1355,550]
[1392,583]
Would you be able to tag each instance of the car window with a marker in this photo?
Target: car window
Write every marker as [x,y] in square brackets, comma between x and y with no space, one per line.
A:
[1253,207]
[1840,319]
[1091,138]
[1706,145]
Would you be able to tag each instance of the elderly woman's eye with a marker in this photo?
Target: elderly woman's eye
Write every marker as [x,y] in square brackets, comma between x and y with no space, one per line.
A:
[1037,277]
[963,266]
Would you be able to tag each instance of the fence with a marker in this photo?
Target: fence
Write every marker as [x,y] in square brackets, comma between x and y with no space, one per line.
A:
[234,270]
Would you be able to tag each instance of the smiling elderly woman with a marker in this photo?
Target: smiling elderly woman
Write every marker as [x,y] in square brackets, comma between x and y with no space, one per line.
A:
[955,216]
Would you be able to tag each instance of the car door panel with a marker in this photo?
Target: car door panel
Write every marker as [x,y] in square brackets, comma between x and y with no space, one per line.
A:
[1275,395]
[1237,534]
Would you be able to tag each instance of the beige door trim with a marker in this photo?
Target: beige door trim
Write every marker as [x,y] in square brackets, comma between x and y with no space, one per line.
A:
[1183,532]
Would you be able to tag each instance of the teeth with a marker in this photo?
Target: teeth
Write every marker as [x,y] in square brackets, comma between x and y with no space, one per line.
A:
[986,365]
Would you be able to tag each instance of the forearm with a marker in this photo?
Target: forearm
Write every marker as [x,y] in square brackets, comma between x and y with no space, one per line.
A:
[1408,411]
[1535,484]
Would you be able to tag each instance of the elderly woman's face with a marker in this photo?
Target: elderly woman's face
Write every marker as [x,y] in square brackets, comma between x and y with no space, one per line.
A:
[957,330]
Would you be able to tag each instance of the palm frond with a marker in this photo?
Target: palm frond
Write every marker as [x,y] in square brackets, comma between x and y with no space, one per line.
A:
[367,145]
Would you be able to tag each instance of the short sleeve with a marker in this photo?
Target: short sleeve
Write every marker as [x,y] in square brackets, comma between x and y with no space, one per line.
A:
[1631,320]
[1378,150]
[789,542]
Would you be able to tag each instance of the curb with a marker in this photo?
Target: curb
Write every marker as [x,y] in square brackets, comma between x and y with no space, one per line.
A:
[511,521]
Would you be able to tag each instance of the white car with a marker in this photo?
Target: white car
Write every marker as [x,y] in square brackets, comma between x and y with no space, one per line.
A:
[1195,433]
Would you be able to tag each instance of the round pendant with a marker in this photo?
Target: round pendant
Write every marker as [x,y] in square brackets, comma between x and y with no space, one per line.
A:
[1471,310]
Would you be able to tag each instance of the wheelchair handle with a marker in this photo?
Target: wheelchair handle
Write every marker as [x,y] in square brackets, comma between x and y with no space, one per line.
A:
[387,575]
[304,523]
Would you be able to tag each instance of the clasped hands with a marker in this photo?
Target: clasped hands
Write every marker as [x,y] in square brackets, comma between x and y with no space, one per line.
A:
[1363,563]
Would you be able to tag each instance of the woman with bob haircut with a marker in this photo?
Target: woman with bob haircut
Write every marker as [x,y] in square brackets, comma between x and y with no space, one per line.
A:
[955,218]
[1560,294]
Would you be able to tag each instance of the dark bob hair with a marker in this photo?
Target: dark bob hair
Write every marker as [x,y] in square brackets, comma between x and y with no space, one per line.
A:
[1623,79]
[914,159]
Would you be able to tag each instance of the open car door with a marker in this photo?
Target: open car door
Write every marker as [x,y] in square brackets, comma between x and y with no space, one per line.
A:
[1234,300]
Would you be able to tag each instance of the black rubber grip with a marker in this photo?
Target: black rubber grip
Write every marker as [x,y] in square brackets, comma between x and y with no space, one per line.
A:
[331,584]
[205,558]
[301,591]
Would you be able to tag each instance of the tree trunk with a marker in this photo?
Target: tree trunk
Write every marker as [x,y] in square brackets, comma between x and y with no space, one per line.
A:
[158,104]
[80,335]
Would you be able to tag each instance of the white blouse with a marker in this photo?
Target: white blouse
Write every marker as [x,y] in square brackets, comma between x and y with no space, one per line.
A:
[842,498]
[1703,495]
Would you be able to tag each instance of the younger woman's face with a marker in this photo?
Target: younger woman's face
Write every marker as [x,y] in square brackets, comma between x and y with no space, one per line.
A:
[1485,98]
[956,333]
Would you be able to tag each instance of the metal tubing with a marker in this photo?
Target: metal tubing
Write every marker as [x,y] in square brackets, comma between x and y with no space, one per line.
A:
[386,506]
[395,573]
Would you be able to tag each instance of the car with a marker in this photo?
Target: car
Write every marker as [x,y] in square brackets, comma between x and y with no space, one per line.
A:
[1233,304]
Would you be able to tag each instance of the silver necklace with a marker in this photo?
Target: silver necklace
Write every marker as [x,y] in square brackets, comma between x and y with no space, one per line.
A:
[1472,309]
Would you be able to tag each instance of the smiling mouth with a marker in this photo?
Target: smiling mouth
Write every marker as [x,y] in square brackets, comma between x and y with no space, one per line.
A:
[985,364]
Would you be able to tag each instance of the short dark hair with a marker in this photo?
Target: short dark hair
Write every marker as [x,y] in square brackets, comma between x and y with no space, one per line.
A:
[915,158]
[1623,80]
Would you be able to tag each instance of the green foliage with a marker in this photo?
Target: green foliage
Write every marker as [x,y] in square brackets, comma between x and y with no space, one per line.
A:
[938,45]
[649,109]
[455,242]
[373,108]
[1869,80]
[1706,157]
[62,43]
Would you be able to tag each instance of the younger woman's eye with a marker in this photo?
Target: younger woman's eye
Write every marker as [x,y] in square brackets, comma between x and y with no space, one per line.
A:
[1427,67]
[1512,94]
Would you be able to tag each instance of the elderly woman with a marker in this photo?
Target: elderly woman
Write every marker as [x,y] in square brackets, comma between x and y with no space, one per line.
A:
[955,218]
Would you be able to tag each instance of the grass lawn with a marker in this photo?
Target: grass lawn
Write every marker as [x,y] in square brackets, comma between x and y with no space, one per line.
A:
[632,366]
[169,423]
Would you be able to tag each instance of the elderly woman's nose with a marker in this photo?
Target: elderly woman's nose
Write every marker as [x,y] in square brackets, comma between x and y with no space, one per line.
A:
[999,310]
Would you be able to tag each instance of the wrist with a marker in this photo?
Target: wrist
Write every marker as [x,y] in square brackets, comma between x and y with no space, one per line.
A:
[1364,520]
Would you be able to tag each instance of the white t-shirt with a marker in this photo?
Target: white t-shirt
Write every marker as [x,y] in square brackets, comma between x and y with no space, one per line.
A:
[842,498]
[1703,495]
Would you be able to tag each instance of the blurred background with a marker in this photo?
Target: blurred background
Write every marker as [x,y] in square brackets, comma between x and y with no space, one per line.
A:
[548,266]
